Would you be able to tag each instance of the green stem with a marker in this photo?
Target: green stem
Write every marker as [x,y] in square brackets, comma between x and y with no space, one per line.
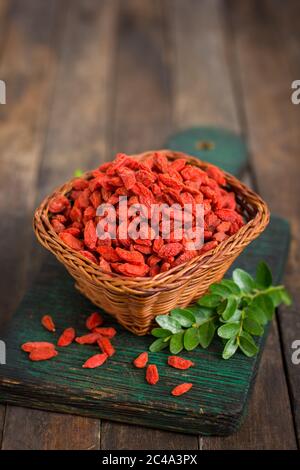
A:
[262,292]
[241,326]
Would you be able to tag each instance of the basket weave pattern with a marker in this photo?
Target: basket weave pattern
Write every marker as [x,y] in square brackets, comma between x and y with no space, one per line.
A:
[135,302]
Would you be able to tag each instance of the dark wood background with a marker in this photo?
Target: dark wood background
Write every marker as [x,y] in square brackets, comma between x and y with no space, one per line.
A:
[86,78]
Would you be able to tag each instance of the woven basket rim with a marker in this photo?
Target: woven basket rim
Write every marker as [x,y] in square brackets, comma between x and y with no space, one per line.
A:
[249,231]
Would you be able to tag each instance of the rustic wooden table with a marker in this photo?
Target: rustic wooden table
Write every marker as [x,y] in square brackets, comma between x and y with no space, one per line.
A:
[88,78]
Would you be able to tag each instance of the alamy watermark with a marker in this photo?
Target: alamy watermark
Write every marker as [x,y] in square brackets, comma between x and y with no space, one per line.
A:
[296,354]
[295,96]
[2,352]
[2,92]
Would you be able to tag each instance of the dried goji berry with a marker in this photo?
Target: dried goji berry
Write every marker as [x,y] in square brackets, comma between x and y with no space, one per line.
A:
[165,267]
[178,164]
[76,214]
[104,265]
[57,225]
[89,214]
[31,345]
[181,389]
[94,320]
[58,204]
[170,249]
[109,332]
[161,162]
[179,362]
[157,244]
[152,376]
[90,338]
[141,361]
[133,257]
[131,270]
[83,199]
[67,337]
[42,354]
[209,246]
[95,361]
[153,260]
[71,241]
[220,236]
[108,253]
[73,231]
[154,270]
[105,345]
[48,323]
[128,177]
[79,184]
[217,174]
[89,256]
[90,235]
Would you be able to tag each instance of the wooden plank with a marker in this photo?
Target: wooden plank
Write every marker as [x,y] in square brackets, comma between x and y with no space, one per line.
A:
[76,138]
[273,128]
[5,17]
[202,43]
[141,121]
[48,431]
[27,66]
[202,88]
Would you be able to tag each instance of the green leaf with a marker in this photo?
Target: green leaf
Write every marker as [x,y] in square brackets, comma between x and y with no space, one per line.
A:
[219,289]
[263,275]
[243,280]
[206,333]
[161,333]
[168,323]
[247,344]
[231,306]
[285,297]
[201,314]
[78,173]
[231,285]
[176,343]
[209,300]
[235,317]
[229,330]
[253,327]
[158,345]
[256,314]
[183,316]
[264,302]
[230,348]
[191,339]
[279,295]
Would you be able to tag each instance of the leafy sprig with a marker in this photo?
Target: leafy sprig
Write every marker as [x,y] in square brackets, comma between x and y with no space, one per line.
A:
[236,309]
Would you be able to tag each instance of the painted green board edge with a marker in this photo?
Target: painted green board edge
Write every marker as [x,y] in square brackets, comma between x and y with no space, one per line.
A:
[215,145]
[117,391]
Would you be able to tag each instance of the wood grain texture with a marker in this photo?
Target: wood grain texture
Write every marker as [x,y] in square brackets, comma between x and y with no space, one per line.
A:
[202,88]
[6,8]
[75,139]
[48,431]
[27,65]
[273,130]
[213,98]
[141,121]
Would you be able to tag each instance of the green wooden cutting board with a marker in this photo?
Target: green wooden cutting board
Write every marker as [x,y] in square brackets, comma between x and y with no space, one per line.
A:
[117,390]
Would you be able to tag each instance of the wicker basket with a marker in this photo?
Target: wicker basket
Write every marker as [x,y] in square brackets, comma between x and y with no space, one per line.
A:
[134,302]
